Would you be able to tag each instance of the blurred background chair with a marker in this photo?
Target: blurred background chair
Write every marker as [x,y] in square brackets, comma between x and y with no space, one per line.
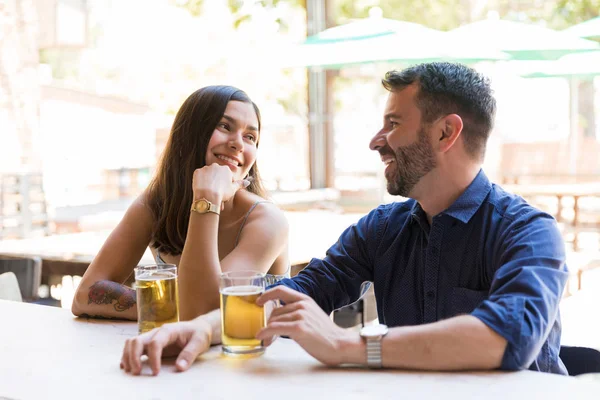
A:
[580,360]
[28,273]
[9,287]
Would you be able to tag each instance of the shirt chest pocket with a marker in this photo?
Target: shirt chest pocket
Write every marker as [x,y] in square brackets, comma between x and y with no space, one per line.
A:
[464,300]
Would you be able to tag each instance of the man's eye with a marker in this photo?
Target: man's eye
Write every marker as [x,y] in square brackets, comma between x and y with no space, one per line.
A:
[393,124]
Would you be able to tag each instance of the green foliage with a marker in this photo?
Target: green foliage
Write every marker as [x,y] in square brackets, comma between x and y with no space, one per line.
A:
[449,14]
[437,14]
[242,9]
[571,12]
[235,5]
[194,7]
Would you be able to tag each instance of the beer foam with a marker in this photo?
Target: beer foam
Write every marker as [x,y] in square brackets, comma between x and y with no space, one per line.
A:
[156,276]
[242,290]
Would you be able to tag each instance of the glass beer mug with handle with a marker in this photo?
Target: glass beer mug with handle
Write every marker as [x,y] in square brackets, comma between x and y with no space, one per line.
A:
[241,317]
[157,295]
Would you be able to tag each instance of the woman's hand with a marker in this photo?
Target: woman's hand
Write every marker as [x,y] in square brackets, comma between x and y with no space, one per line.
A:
[215,183]
[186,340]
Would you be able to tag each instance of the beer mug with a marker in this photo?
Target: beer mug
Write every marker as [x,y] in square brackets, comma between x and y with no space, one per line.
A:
[241,317]
[157,295]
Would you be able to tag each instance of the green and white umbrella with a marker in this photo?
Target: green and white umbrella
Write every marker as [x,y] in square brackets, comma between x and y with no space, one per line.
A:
[522,41]
[579,65]
[574,67]
[374,40]
[362,29]
[589,29]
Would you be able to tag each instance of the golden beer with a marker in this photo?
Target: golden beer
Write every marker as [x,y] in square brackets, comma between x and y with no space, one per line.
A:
[241,319]
[157,299]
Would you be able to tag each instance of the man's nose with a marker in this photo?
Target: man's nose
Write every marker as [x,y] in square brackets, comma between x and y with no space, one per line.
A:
[378,141]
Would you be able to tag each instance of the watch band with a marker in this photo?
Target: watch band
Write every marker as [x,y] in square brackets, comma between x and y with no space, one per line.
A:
[374,352]
[373,335]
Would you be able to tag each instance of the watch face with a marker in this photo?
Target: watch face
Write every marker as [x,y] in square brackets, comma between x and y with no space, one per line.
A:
[373,330]
[202,205]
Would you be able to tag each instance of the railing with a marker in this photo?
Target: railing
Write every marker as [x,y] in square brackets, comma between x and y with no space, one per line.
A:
[22,206]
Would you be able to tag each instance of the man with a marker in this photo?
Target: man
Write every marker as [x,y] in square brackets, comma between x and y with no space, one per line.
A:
[466,275]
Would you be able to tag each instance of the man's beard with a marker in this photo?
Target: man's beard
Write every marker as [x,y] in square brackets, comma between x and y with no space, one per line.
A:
[411,163]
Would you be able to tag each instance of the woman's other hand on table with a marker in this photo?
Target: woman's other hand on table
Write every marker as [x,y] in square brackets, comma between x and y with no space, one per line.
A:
[186,340]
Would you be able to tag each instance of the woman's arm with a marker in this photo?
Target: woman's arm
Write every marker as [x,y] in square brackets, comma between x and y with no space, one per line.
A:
[185,340]
[101,293]
[263,239]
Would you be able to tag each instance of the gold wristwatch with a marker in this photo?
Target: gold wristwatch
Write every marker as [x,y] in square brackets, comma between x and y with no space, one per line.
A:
[204,206]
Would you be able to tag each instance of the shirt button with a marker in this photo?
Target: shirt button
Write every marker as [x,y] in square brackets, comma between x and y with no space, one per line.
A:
[431,295]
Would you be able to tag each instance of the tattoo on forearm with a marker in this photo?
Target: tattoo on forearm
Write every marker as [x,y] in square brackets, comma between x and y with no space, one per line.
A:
[97,317]
[105,292]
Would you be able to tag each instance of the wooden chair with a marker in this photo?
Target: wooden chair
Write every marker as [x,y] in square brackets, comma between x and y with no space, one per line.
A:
[9,287]
[28,272]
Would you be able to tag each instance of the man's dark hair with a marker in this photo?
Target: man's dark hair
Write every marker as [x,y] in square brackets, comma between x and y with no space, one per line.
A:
[448,88]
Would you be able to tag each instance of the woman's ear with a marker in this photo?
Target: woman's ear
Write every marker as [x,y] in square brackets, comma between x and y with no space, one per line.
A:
[451,127]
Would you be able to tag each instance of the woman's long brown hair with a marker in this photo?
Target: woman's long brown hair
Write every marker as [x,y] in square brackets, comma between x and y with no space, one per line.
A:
[170,194]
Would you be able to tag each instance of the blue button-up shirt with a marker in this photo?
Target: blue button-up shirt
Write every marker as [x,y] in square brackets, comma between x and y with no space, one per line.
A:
[489,254]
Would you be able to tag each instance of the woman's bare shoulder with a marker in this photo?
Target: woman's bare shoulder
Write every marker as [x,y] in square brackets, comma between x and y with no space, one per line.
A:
[263,210]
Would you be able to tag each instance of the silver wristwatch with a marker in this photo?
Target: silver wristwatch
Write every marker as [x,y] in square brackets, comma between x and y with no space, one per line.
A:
[373,334]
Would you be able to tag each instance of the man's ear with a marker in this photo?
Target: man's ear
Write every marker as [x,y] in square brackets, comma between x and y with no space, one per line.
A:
[449,129]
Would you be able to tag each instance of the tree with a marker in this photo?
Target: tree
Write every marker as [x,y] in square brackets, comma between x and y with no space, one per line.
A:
[437,14]
[242,9]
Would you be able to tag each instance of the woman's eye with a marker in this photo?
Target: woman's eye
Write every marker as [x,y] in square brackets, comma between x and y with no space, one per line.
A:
[223,125]
[393,124]
[251,138]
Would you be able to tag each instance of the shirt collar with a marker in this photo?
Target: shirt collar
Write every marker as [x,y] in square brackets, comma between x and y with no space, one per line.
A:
[418,216]
[471,199]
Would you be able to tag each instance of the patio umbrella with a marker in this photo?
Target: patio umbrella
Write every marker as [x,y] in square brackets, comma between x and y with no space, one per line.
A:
[578,65]
[374,39]
[589,29]
[575,67]
[522,41]
[366,28]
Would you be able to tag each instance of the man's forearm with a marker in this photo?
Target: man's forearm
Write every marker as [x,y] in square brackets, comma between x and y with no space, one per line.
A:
[106,299]
[459,343]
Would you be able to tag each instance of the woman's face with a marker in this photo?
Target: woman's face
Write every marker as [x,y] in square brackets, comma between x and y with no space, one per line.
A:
[233,142]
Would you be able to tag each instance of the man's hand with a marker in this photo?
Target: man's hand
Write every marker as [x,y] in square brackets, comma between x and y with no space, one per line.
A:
[186,340]
[303,320]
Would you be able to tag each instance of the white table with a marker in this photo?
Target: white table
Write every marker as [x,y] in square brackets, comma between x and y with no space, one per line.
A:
[46,353]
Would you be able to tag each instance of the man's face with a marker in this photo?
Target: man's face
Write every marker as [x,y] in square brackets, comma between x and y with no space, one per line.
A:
[404,143]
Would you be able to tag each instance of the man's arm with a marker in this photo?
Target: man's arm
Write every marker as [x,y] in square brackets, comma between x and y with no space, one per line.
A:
[336,280]
[459,343]
[526,288]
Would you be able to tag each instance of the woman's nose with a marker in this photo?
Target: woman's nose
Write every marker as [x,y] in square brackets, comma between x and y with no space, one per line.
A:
[236,142]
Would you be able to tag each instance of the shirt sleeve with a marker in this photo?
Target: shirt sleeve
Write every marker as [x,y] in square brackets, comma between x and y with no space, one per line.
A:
[526,288]
[336,280]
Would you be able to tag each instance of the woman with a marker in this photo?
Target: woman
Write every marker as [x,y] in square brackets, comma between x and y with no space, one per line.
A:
[208,161]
